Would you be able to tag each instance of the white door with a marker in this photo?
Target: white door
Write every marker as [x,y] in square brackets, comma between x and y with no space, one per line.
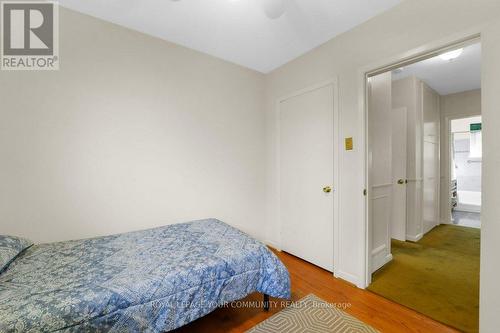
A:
[399,144]
[431,163]
[431,199]
[380,168]
[306,175]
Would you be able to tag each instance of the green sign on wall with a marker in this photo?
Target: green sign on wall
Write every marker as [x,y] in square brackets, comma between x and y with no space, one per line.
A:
[475,127]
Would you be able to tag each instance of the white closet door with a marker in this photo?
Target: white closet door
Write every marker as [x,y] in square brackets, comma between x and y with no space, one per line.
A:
[431,168]
[380,169]
[399,182]
[430,186]
[306,174]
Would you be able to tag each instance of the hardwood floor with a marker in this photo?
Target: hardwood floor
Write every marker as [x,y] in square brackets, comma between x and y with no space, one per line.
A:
[380,313]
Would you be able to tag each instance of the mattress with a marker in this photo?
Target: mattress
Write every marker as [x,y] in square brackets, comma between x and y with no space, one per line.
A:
[146,281]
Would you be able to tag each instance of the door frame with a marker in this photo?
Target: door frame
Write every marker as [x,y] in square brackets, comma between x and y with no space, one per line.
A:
[418,54]
[449,138]
[336,160]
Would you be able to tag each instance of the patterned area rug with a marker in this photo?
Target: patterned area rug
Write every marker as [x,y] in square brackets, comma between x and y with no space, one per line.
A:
[312,314]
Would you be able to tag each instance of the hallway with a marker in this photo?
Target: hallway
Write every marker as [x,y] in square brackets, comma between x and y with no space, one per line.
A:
[437,276]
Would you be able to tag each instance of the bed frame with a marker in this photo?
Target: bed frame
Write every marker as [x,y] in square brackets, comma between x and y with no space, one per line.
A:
[266,302]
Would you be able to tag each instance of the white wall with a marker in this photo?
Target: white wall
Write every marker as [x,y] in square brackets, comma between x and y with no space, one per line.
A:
[459,105]
[409,26]
[132,132]
[490,209]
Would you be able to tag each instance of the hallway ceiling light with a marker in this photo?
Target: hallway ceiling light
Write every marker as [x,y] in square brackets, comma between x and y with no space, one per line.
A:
[449,56]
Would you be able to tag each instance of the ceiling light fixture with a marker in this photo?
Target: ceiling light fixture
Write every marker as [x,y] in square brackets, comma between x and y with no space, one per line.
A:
[274,8]
[451,55]
[398,70]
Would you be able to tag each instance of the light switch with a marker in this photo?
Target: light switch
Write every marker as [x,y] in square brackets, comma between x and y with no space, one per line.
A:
[349,145]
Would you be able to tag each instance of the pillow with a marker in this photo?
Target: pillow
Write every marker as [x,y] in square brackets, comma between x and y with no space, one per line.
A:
[10,248]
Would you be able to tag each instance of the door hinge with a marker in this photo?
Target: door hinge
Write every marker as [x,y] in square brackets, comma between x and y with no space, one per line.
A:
[364,192]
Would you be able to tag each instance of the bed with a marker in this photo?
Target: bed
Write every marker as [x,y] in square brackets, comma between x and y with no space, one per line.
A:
[146,281]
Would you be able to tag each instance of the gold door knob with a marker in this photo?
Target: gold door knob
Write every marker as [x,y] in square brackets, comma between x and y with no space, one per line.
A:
[401,181]
[327,189]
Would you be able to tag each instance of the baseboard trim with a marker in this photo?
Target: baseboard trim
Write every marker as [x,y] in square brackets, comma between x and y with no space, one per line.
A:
[381,263]
[351,278]
[414,238]
[273,244]
[432,227]
[379,249]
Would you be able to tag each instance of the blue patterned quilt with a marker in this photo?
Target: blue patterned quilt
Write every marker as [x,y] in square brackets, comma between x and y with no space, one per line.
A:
[147,281]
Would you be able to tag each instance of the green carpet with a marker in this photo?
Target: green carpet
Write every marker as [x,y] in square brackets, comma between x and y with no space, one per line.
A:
[437,276]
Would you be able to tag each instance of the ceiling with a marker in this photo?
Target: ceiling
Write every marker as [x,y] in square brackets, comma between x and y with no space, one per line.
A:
[448,77]
[238,30]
